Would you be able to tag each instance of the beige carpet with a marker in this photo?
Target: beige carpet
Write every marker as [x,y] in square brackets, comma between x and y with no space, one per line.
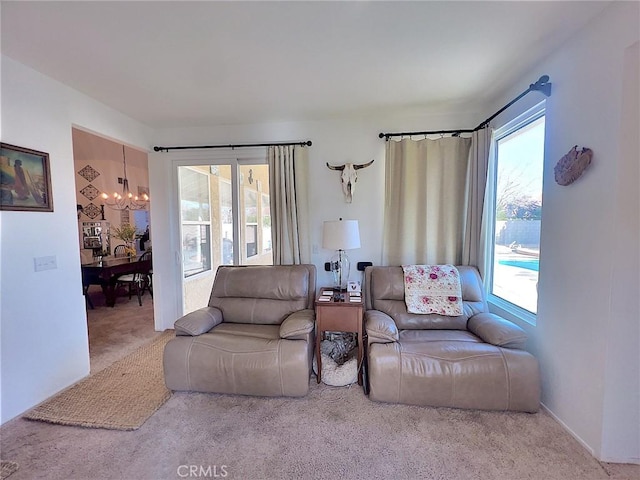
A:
[7,468]
[120,397]
[331,433]
[334,432]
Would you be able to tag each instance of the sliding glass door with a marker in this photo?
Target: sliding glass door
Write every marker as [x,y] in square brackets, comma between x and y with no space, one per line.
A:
[225,219]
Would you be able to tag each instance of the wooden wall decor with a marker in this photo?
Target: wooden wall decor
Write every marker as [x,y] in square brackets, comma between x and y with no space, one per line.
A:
[572,165]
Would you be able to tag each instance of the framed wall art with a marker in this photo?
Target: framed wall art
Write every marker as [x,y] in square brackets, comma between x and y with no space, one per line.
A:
[25,180]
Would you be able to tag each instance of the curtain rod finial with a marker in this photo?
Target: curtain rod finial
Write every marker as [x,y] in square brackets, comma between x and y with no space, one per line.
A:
[542,85]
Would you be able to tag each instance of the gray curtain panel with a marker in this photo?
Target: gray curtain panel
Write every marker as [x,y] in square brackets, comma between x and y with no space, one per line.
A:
[425,192]
[288,184]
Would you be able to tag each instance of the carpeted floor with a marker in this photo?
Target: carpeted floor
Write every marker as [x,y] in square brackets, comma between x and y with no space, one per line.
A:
[334,432]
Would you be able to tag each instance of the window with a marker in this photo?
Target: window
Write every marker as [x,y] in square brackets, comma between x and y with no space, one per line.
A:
[226,220]
[255,214]
[251,221]
[266,224]
[225,216]
[517,212]
[196,221]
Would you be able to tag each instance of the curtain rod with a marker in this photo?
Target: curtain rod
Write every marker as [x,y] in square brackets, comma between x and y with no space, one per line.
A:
[542,85]
[232,146]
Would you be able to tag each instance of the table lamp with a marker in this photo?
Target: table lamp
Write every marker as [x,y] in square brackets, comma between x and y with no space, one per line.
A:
[340,235]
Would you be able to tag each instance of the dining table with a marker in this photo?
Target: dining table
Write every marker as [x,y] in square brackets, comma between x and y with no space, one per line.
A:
[106,270]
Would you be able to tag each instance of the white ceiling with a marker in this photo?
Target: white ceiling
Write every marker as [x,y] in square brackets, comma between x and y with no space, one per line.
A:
[185,64]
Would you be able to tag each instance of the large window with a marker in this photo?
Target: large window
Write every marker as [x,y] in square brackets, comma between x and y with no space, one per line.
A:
[517,211]
[225,216]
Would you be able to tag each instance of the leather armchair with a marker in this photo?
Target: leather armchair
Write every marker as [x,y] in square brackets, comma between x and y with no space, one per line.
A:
[255,337]
[476,360]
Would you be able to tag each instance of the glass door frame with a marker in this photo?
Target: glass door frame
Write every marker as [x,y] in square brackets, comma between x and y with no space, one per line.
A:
[232,157]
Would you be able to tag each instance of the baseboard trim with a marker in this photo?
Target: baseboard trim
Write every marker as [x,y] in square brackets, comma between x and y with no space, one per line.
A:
[632,460]
[586,446]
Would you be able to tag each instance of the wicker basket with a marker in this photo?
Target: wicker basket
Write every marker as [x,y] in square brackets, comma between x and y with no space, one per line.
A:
[572,165]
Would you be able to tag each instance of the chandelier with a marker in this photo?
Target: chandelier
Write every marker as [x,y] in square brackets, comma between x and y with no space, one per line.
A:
[126,200]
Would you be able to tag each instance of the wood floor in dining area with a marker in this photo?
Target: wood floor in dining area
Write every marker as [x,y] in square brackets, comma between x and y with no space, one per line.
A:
[116,331]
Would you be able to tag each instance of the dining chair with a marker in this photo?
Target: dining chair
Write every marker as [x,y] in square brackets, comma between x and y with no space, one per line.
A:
[139,280]
[86,283]
[120,251]
[90,278]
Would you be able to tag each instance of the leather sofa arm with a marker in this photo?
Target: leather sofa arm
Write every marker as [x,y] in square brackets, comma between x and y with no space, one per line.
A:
[298,325]
[198,322]
[497,331]
[380,327]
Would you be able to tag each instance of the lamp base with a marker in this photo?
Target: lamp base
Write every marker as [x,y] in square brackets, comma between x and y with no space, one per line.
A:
[340,266]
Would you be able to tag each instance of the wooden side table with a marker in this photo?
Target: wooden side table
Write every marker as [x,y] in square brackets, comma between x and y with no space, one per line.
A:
[339,316]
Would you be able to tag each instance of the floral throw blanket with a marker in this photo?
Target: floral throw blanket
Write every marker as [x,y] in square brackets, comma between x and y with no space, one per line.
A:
[433,289]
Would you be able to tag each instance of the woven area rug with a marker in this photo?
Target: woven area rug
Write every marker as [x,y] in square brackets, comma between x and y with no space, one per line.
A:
[7,468]
[120,397]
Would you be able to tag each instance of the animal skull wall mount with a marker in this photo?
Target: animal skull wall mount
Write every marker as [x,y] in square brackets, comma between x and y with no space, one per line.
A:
[349,177]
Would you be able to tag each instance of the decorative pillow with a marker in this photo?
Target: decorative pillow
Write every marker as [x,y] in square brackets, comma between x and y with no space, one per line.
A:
[433,289]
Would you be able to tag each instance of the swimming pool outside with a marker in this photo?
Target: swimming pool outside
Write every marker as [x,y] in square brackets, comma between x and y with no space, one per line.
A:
[515,278]
[528,263]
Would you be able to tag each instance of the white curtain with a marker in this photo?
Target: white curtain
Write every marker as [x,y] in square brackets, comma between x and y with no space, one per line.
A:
[425,191]
[488,212]
[288,172]
[473,243]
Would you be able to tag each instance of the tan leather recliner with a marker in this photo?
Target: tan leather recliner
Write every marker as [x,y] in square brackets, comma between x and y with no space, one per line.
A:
[476,360]
[256,337]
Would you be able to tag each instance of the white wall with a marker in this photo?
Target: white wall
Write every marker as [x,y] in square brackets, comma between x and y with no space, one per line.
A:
[44,344]
[621,419]
[335,141]
[586,336]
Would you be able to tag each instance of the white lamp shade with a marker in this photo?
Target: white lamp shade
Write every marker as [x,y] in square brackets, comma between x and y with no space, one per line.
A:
[341,235]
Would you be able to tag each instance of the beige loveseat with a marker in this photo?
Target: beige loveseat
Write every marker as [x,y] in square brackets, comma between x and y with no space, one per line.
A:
[476,360]
[256,337]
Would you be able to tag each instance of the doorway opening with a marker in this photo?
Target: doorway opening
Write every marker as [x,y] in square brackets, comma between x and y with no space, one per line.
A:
[113,332]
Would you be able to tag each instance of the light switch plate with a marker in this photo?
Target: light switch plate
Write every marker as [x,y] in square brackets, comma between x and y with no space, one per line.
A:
[45,263]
